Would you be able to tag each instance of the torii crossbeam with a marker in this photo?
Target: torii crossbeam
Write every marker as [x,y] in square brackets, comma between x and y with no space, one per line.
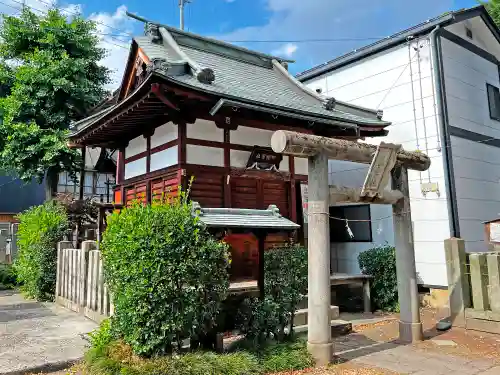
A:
[386,161]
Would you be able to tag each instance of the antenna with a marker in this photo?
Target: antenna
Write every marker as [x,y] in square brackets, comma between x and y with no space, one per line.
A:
[182,3]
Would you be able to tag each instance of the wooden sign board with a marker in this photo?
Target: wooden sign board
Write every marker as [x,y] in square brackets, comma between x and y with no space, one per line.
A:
[264,158]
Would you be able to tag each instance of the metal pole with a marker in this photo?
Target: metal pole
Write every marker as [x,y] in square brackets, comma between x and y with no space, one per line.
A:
[319,341]
[182,3]
[410,327]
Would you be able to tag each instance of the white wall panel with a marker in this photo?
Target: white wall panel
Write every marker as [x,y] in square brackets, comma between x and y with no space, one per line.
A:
[164,159]
[135,168]
[476,167]
[136,146]
[164,134]
[245,135]
[239,158]
[203,129]
[205,155]
[301,166]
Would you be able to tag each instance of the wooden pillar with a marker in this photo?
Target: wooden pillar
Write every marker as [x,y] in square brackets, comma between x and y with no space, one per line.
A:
[479,281]
[82,174]
[120,166]
[261,238]
[319,341]
[410,327]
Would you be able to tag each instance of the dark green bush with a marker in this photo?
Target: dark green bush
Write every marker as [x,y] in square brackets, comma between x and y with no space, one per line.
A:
[285,282]
[8,278]
[167,275]
[40,229]
[380,262]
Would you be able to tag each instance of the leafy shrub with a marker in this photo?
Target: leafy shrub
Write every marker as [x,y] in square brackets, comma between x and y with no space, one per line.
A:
[8,278]
[101,337]
[40,229]
[285,282]
[380,262]
[167,275]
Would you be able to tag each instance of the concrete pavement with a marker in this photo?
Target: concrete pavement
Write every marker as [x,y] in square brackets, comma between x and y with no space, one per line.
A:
[36,336]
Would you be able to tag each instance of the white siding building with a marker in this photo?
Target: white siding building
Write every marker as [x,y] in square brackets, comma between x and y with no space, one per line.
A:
[438,83]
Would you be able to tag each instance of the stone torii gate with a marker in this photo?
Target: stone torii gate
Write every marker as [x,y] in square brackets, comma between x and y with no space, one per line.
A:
[387,161]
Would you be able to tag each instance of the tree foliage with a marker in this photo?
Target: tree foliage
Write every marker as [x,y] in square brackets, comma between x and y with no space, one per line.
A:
[493,8]
[167,275]
[40,229]
[49,76]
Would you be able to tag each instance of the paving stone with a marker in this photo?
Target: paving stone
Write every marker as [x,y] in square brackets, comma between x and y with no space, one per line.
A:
[444,342]
[34,334]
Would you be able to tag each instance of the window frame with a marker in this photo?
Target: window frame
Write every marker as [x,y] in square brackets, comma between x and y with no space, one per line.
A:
[353,240]
[493,116]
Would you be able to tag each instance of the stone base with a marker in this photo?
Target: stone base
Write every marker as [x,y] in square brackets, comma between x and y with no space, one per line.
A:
[321,353]
[410,332]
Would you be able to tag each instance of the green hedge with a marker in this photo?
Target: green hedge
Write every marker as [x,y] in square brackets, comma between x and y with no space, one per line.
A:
[380,262]
[40,229]
[167,275]
[285,282]
[8,278]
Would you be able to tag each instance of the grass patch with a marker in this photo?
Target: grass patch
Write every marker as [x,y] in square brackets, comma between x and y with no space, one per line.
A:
[118,359]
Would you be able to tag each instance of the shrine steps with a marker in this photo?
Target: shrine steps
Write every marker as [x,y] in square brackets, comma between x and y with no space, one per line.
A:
[338,328]
[301,316]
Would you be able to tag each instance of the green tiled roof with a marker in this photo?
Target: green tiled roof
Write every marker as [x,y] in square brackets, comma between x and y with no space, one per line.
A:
[243,218]
[245,75]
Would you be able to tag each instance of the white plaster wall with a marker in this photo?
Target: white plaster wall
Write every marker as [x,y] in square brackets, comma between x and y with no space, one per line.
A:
[164,134]
[245,135]
[203,129]
[384,81]
[239,158]
[301,166]
[476,165]
[202,155]
[481,35]
[135,168]
[164,159]
[136,146]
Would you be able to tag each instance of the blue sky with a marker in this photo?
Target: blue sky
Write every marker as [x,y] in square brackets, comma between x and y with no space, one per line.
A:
[287,22]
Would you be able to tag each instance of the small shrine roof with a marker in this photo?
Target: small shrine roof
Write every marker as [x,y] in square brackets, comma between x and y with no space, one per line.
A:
[244,218]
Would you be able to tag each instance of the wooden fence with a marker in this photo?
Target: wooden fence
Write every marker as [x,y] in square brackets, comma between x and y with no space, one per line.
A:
[474,287]
[80,284]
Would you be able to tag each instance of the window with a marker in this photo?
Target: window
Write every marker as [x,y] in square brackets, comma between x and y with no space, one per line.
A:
[493,101]
[362,230]
[95,185]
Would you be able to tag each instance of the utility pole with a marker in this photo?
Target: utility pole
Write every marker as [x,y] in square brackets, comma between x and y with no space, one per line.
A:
[182,3]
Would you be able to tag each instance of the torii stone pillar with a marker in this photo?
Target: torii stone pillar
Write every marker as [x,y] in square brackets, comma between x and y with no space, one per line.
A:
[318,150]
[319,340]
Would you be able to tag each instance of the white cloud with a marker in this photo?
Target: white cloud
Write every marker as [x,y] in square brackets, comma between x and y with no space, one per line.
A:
[286,50]
[114,29]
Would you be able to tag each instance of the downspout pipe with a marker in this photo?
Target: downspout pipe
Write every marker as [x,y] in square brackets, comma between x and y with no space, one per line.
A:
[443,122]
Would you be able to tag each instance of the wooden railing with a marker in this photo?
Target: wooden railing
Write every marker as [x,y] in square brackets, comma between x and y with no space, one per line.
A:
[80,283]
[474,287]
